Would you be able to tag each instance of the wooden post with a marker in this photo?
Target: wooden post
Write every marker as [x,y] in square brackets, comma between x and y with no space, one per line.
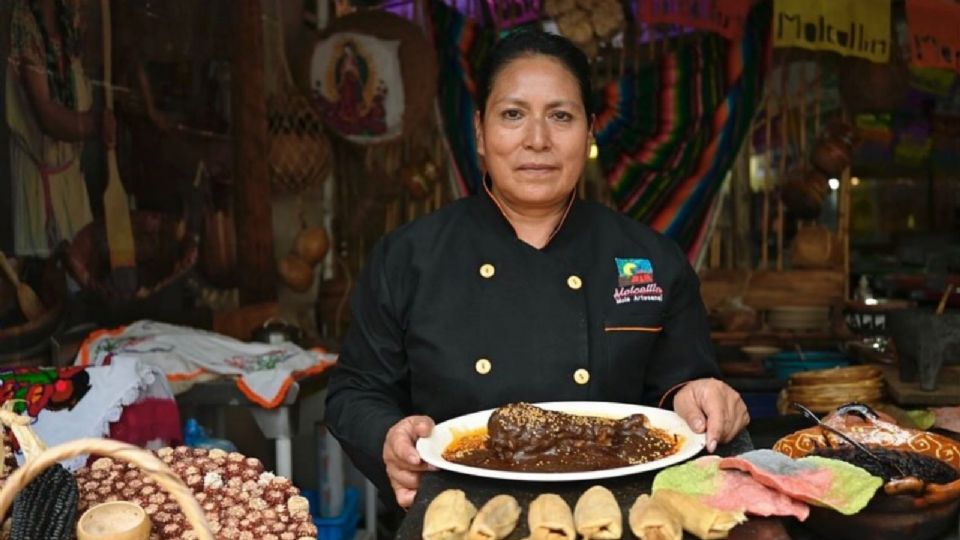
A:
[251,188]
[843,227]
[740,203]
[716,248]
[782,171]
[767,173]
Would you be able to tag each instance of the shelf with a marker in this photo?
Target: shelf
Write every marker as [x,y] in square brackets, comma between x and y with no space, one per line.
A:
[782,336]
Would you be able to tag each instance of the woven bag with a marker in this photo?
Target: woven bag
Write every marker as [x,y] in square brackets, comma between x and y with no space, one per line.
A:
[299,154]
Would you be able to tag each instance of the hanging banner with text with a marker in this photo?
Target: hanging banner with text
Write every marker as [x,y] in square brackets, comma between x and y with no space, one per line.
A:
[724,17]
[852,28]
[934,30]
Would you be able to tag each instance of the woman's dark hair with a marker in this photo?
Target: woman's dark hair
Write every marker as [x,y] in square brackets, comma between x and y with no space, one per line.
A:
[528,42]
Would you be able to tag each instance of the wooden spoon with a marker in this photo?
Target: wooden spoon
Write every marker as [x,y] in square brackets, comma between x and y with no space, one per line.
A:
[943,299]
[30,303]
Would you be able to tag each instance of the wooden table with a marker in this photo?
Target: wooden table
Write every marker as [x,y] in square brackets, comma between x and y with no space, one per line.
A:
[626,489]
[278,424]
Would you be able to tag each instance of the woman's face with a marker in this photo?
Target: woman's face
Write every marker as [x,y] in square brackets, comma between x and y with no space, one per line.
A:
[534,135]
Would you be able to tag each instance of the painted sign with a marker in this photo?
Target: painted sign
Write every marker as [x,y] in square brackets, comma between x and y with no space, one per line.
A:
[860,28]
[724,17]
[934,34]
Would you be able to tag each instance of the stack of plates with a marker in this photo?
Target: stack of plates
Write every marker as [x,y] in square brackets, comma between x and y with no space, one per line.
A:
[799,318]
[824,390]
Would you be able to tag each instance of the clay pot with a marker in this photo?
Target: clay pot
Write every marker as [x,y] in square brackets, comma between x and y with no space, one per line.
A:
[831,156]
[311,244]
[295,272]
[815,247]
[804,192]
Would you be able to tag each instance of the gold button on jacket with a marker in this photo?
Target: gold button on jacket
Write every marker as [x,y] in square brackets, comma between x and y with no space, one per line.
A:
[582,376]
[487,270]
[483,366]
[574,282]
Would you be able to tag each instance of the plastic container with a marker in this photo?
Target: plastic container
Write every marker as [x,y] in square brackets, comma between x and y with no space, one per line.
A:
[341,527]
[760,404]
[784,364]
[195,436]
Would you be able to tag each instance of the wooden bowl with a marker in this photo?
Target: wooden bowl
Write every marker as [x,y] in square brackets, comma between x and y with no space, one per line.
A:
[164,256]
[759,353]
[117,520]
[49,280]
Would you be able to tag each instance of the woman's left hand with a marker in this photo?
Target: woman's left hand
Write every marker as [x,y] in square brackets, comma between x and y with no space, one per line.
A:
[711,405]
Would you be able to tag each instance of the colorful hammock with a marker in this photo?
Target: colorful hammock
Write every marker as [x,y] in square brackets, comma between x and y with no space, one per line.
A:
[461,45]
[669,132]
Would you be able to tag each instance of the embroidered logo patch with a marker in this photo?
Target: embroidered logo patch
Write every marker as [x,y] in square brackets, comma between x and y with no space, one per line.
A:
[636,283]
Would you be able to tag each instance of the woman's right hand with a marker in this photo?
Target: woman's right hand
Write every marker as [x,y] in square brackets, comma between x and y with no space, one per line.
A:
[404,465]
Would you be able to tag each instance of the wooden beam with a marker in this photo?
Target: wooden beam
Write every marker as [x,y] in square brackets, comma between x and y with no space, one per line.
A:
[740,204]
[251,188]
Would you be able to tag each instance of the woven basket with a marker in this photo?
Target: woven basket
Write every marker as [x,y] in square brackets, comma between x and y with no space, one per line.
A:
[147,462]
[824,390]
[299,153]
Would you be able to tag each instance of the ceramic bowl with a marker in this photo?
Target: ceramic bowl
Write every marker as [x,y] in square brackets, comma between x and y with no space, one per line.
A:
[117,520]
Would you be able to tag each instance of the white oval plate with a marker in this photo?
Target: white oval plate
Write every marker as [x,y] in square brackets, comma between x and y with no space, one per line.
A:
[431,448]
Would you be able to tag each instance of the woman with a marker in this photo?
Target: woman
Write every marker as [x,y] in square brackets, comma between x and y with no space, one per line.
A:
[48,112]
[523,292]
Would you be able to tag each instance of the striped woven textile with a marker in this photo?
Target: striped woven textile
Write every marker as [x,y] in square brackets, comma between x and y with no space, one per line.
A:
[668,133]
[461,45]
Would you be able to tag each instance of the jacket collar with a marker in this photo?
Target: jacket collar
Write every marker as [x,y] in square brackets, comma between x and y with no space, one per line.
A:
[492,214]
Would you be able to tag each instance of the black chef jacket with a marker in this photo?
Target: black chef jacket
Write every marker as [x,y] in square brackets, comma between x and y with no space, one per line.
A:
[454,314]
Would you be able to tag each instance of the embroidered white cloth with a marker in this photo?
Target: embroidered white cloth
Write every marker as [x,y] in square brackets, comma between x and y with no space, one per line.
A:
[74,403]
[264,371]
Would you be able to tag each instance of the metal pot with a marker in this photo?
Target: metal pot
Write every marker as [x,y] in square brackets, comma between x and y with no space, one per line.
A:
[276,331]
